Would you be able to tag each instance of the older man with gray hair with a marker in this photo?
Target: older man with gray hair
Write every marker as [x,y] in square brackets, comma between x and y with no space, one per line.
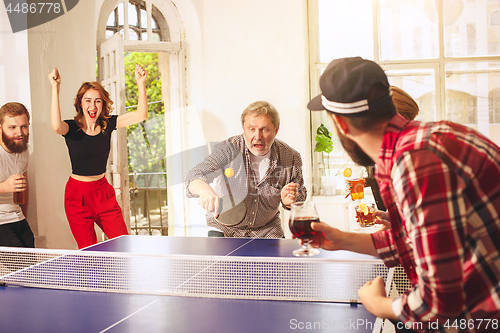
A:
[260,171]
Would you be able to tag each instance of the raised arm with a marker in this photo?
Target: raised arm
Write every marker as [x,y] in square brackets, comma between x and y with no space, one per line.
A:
[59,126]
[141,113]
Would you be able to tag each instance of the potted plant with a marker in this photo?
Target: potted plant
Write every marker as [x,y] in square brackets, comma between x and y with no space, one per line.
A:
[324,144]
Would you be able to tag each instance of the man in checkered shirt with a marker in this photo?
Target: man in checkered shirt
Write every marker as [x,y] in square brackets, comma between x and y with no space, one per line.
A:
[440,182]
[261,170]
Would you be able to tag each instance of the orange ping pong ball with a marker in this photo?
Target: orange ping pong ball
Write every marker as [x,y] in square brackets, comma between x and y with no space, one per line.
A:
[229,172]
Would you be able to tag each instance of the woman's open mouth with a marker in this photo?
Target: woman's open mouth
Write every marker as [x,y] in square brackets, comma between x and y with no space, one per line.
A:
[92,114]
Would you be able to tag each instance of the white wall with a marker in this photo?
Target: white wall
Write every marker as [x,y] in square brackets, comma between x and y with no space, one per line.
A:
[255,50]
[15,85]
[14,71]
[67,43]
[238,52]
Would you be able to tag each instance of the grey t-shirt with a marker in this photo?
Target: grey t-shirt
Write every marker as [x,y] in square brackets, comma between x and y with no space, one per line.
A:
[10,212]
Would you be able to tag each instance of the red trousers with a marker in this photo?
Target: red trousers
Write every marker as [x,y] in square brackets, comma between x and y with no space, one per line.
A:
[87,203]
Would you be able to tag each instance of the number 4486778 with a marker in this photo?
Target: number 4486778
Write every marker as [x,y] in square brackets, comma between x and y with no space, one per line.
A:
[34,8]
[472,324]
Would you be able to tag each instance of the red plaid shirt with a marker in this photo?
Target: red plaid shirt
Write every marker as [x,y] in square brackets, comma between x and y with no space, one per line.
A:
[441,184]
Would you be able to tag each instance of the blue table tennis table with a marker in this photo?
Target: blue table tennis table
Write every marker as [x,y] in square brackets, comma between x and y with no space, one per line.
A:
[48,310]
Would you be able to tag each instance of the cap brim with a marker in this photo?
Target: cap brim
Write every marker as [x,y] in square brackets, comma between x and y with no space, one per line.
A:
[316,104]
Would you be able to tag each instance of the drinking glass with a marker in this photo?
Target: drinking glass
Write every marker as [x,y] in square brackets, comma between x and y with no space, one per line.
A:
[365,220]
[19,198]
[301,215]
[357,186]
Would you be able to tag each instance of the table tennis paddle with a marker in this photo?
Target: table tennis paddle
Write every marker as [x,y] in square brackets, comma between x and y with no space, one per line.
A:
[230,214]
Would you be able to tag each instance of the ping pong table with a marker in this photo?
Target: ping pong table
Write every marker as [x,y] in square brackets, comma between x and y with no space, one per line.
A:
[25,309]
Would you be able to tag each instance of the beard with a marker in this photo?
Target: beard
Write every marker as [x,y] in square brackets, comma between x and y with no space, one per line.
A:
[14,146]
[354,151]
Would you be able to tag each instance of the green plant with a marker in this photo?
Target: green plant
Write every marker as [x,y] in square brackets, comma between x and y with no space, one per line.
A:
[145,140]
[324,144]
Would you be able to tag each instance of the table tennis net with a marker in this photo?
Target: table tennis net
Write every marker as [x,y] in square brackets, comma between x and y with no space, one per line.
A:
[296,279]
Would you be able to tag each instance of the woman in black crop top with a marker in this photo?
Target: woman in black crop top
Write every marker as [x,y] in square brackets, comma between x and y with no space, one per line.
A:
[89,198]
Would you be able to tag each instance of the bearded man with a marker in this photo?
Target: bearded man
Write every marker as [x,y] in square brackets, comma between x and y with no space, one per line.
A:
[439,182]
[14,127]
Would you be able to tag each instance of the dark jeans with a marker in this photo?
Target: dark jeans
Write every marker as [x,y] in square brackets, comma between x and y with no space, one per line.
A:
[215,233]
[16,234]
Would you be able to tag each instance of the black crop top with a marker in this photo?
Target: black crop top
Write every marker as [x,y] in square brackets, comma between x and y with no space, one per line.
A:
[88,154]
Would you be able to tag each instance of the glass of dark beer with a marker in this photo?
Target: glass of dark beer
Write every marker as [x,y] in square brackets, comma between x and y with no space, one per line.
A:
[301,215]
[19,198]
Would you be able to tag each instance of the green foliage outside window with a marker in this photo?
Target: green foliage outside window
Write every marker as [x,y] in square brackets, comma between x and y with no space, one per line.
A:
[146,140]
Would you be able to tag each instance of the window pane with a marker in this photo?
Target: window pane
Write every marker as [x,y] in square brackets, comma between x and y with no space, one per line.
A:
[144,19]
[470,28]
[109,34]
[406,31]
[419,84]
[111,19]
[144,36]
[132,14]
[493,107]
[472,97]
[120,14]
[132,35]
[156,37]
[345,29]
[476,90]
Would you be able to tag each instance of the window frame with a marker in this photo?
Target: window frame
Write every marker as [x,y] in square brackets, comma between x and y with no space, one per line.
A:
[177,87]
[152,14]
[436,65]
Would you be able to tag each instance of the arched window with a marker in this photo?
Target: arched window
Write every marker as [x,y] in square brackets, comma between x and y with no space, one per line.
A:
[127,27]
[135,16]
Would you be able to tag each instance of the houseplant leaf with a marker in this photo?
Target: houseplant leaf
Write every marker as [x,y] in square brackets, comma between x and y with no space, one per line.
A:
[323,144]
[322,130]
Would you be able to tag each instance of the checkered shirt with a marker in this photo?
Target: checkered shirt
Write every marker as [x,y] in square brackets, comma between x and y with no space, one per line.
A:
[262,198]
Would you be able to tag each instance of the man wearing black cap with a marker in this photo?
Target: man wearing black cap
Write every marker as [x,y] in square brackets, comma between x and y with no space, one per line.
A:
[439,182]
